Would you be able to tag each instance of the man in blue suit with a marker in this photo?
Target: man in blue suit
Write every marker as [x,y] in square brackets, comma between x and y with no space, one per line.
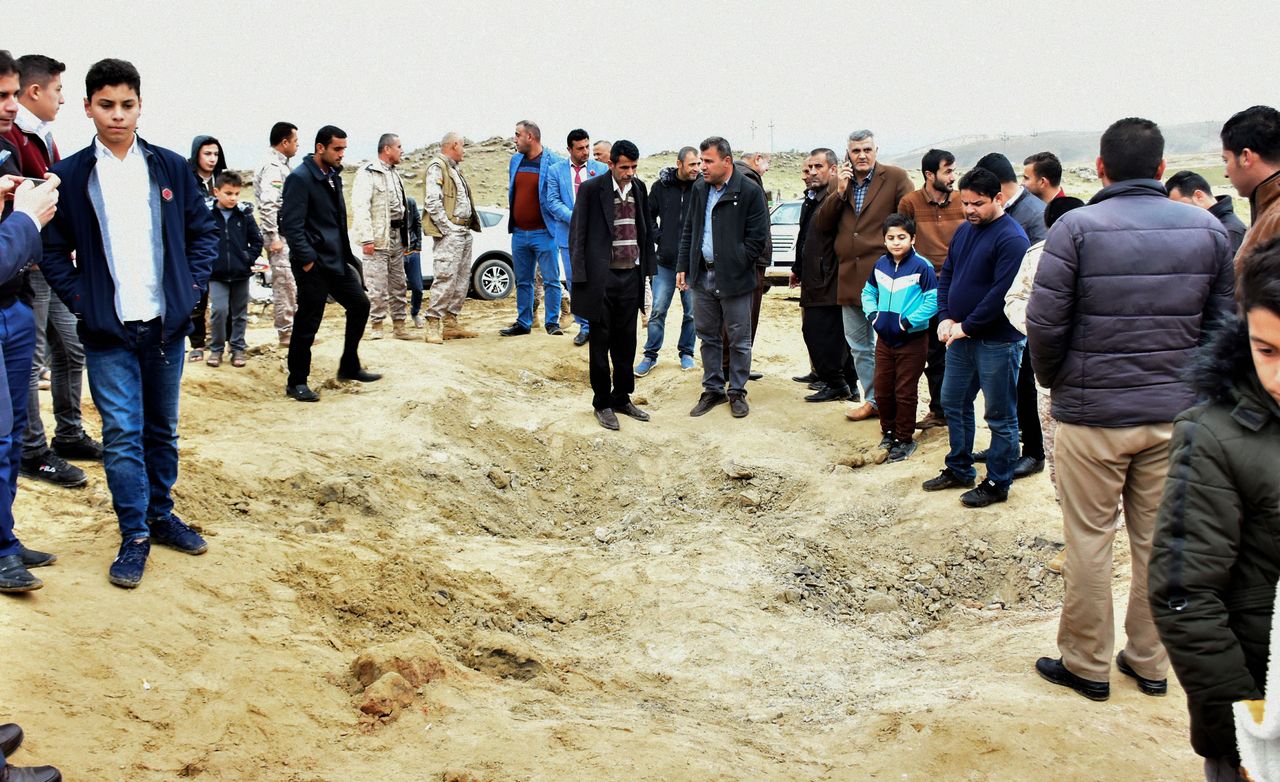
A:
[529,224]
[562,191]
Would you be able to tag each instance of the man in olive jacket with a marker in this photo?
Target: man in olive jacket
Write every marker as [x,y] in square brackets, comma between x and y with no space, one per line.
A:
[726,229]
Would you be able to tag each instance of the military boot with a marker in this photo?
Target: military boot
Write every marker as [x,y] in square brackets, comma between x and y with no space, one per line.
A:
[401,331]
[454,330]
[433,331]
[375,330]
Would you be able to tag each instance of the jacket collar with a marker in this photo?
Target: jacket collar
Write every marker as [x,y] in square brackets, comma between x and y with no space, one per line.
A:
[1130,187]
[1222,208]
[1254,407]
[277,156]
[312,166]
[1264,196]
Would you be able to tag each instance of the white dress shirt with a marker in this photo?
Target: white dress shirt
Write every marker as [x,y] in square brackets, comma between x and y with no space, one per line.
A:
[128,232]
[30,123]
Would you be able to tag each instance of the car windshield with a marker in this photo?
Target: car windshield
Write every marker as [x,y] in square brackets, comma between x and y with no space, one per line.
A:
[786,214]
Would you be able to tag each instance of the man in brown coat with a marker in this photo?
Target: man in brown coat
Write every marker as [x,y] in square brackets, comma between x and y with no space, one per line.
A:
[1251,150]
[866,193]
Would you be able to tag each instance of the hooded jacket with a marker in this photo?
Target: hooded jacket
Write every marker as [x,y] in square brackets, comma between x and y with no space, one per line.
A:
[668,204]
[239,242]
[1215,557]
[218,168]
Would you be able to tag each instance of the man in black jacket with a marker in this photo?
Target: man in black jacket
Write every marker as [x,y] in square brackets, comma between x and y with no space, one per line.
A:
[611,249]
[313,220]
[724,235]
[668,205]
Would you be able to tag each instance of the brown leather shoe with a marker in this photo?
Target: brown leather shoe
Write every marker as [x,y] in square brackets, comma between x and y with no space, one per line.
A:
[931,421]
[862,413]
[10,738]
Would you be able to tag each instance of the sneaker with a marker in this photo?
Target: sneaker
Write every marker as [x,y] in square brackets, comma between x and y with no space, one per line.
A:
[901,450]
[1052,670]
[32,558]
[645,366]
[947,479]
[51,468]
[984,494]
[417,321]
[1027,466]
[130,562]
[686,363]
[1156,687]
[172,532]
[83,447]
[886,442]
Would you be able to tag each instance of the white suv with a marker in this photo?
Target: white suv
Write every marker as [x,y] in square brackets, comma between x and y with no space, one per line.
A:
[784,227]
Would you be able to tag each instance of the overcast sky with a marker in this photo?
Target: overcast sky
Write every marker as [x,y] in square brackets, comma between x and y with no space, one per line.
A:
[663,73]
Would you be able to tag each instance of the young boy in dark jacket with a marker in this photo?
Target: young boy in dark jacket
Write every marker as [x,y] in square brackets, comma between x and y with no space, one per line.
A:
[899,298]
[239,245]
[1215,559]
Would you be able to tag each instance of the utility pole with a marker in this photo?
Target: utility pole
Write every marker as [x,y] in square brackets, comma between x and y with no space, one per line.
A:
[770,136]
[1004,138]
[753,132]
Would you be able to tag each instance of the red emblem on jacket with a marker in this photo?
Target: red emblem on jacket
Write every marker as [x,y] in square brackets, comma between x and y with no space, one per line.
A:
[166,194]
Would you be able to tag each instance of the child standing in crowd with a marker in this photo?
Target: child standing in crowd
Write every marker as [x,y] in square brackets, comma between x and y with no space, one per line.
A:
[413,260]
[1214,559]
[239,245]
[899,298]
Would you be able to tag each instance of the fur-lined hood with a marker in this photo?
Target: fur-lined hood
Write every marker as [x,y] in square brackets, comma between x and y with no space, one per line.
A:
[1223,372]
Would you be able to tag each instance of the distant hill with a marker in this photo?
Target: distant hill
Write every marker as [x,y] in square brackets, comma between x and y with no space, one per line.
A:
[1072,147]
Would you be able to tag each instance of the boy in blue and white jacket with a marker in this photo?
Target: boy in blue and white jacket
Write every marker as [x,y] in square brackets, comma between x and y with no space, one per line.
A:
[899,298]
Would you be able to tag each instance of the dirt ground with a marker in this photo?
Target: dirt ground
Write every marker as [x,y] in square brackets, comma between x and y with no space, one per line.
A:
[531,597]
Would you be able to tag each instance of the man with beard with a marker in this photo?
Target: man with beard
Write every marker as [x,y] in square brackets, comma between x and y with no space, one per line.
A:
[562,191]
[937,214]
[1042,176]
[668,207]
[532,245]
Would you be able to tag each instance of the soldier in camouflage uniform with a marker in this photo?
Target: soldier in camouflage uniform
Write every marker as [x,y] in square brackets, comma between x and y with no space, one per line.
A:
[268,186]
[450,217]
[380,211]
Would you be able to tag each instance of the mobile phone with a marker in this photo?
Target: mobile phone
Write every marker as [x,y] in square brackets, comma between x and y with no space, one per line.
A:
[37,181]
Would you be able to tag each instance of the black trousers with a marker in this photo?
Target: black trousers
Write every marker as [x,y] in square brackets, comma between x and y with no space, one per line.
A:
[199,333]
[613,338]
[1028,414]
[823,329]
[935,367]
[314,289]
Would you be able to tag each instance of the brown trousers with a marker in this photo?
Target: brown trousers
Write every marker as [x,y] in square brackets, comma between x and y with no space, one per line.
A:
[897,384]
[1098,467]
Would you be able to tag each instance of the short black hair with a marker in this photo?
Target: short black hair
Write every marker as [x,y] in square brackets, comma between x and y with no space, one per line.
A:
[1047,165]
[110,73]
[1058,207]
[8,65]
[326,135]
[999,165]
[981,181]
[1259,281]
[829,154]
[1187,182]
[1132,148]
[623,149]
[684,152]
[1256,128]
[935,159]
[38,69]
[228,177]
[280,131]
[722,147]
[576,135]
[898,220]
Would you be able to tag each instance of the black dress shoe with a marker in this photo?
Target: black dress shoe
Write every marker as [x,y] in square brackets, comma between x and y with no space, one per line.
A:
[829,394]
[812,377]
[738,406]
[817,385]
[14,576]
[980,456]
[554,329]
[360,376]
[1052,670]
[30,774]
[581,337]
[1027,466]
[708,400]
[946,479]
[33,558]
[607,419]
[754,375]
[301,393]
[514,330]
[630,410]
[10,738]
[1156,687]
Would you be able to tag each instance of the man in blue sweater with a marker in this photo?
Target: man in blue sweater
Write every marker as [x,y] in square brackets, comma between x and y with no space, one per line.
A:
[983,350]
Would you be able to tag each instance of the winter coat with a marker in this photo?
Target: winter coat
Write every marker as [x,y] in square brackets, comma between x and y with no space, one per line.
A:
[1215,557]
[1225,211]
[668,207]
[860,237]
[239,243]
[816,265]
[1264,209]
[1125,286]
[900,297]
[740,226]
[313,221]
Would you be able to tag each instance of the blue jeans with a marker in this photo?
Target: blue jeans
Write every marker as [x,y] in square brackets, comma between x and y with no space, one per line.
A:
[17,346]
[413,277]
[528,248]
[568,286]
[862,344]
[664,287]
[135,388]
[992,367]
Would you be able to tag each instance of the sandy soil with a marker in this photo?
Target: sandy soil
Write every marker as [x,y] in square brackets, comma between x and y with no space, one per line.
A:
[700,599]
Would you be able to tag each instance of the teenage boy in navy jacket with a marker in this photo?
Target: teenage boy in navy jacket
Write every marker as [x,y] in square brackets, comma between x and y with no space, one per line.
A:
[144,242]
[239,245]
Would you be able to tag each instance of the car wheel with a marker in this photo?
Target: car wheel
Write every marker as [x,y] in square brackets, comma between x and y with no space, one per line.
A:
[492,278]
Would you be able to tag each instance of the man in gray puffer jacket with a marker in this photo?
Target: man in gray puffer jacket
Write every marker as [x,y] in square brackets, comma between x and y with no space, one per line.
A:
[1124,289]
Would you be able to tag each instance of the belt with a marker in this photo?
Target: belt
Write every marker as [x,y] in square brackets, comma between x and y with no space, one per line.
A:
[708,265]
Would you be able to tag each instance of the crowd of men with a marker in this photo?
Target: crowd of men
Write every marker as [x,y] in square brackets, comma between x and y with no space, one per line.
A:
[1076,322]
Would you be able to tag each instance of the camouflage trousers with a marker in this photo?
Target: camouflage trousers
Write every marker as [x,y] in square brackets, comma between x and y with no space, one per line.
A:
[451,256]
[385,280]
[284,292]
[1049,429]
